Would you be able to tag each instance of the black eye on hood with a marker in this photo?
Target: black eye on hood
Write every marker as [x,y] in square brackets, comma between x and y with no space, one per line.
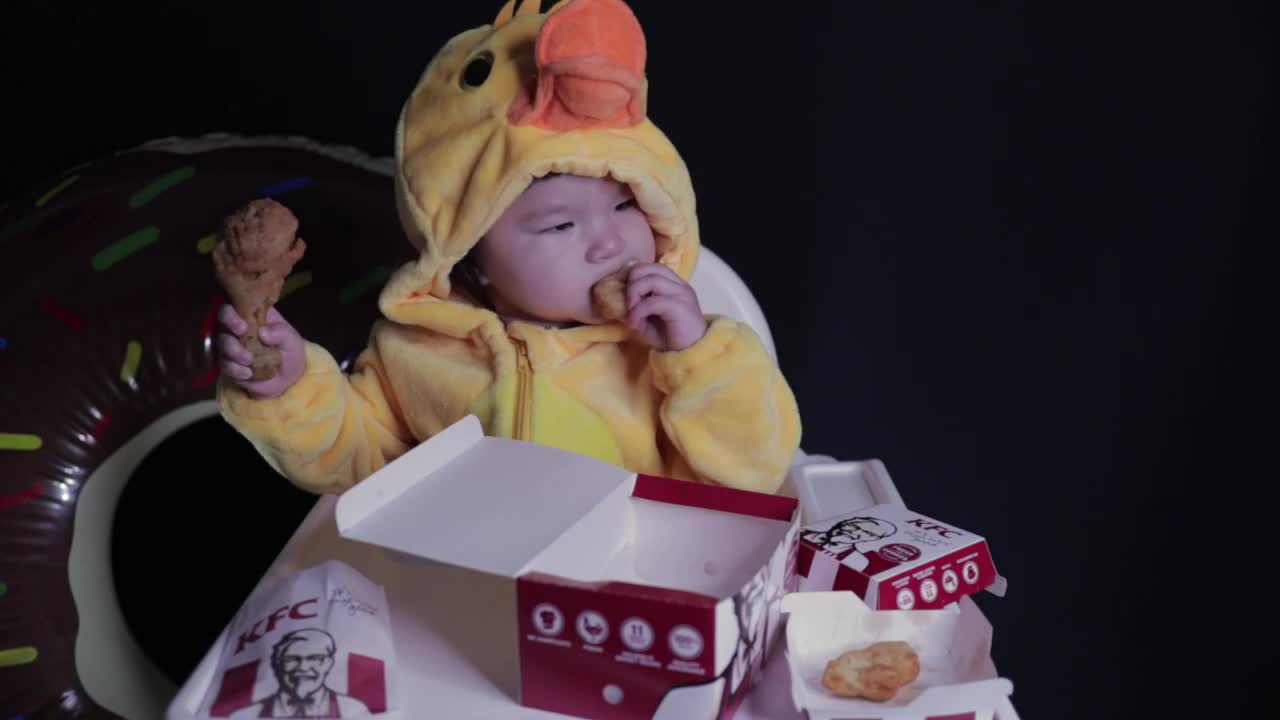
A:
[477,71]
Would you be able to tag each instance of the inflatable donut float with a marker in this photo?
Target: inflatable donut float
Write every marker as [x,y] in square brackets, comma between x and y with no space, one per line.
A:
[133,521]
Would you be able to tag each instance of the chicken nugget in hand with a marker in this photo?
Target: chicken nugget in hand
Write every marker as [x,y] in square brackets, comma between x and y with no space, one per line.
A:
[609,295]
[875,673]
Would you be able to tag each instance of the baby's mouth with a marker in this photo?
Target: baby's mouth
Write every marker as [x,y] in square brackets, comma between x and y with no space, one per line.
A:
[609,293]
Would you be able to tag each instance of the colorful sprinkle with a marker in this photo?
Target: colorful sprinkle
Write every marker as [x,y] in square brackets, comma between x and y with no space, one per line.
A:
[296,281]
[18,656]
[4,343]
[207,243]
[131,244]
[371,280]
[56,189]
[73,321]
[100,426]
[27,495]
[20,441]
[205,379]
[285,186]
[159,185]
[132,356]
[3,589]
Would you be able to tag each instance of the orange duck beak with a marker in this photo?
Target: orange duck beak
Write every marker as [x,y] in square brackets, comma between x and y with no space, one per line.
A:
[590,57]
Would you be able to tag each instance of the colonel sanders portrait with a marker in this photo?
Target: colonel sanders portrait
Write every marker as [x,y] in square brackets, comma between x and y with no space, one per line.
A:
[301,662]
[841,539]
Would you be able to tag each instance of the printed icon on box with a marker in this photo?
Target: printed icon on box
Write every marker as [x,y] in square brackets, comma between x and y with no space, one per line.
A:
[548,619]
[950,581]
[592,627]
[906,599]
[685,642]
[929,591]
[637,634]
[970,572]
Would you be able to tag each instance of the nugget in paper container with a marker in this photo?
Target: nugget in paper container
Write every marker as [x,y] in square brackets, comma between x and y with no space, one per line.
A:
[317,644]
[957,679]
[636,596]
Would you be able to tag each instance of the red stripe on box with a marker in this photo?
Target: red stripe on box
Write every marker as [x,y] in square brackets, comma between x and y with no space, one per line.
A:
[714,497]
[849,579]
[623,589]
[961,716]
[367,681]
[236,690]
[804,559]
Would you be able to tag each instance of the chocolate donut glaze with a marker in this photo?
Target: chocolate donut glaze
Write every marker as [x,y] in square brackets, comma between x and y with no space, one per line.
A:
[105,325]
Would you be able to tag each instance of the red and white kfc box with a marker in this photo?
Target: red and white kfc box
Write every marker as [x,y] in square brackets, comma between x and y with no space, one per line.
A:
[891,557]
[637,596]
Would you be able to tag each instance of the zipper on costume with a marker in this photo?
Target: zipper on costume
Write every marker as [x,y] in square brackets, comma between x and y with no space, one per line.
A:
[524,389]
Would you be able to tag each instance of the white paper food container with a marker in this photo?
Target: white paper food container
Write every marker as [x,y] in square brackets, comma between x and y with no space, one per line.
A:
[957,681]
[636,596]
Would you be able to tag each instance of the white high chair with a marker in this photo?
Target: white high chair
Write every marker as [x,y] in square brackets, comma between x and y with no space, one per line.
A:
[462,668]
[722,292]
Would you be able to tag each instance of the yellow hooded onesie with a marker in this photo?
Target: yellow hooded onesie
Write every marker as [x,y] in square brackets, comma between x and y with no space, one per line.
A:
[499,106]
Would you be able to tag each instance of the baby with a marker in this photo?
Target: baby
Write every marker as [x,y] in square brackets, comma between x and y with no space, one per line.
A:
[526,173]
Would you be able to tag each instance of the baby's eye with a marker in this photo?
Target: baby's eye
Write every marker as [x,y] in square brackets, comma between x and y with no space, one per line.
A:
[626,204]
[562,227]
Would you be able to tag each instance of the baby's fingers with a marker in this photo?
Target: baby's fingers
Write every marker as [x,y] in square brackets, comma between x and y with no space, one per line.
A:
[231,320]
[231,349]
[276,334]
[235,371]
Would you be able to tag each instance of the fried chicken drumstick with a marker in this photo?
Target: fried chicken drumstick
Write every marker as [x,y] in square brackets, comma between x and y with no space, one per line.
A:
[256,250]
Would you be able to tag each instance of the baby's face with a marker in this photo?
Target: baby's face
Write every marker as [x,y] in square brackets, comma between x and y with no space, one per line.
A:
[556,240]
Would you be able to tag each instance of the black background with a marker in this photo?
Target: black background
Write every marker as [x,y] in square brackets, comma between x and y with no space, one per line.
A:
[1020,252]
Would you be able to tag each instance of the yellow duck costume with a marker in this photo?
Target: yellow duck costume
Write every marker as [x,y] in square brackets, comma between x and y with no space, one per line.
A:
[499,106]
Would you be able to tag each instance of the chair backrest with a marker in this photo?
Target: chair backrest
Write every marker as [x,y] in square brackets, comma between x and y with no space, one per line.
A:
[722,292]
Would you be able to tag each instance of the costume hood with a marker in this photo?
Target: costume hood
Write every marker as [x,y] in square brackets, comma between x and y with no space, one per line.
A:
[504,104]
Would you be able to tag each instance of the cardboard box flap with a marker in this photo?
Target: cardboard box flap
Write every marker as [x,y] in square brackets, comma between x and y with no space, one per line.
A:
[483,503]
[828,491]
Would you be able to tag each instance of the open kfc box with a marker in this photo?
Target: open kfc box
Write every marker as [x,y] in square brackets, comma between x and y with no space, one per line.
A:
[917,592]
[636,596]
[858,535]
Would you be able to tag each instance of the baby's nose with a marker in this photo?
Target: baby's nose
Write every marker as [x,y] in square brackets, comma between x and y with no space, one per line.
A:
[605,244]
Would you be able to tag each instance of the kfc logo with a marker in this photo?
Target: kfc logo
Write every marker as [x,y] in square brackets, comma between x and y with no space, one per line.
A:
[841,542]
[297,611]
[933,527]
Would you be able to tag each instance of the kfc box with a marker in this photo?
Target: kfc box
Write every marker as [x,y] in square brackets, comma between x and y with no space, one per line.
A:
[891,557]
[957,679]
[636,596]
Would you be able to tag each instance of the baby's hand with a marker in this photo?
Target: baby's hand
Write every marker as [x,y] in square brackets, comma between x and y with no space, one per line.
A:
[663,308]
[235,359]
